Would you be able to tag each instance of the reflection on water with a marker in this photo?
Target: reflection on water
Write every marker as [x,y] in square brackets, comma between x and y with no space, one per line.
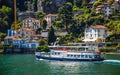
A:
[28,65]
[78,68]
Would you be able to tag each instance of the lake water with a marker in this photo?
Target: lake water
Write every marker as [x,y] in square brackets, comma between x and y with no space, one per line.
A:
[26,64]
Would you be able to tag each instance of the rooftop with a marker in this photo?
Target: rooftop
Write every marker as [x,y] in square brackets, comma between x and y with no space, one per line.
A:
[114,3]
[32,19]
[12,37]
[100,6]
[98,27]
[51,15]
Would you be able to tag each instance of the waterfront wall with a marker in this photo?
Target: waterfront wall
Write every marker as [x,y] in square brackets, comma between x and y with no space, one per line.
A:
[20,51]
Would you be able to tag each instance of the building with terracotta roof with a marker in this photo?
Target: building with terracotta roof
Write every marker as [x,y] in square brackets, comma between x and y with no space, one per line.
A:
[104,8]
[16,40]
[116,4]
[50,18]
[31,23]
[96,33]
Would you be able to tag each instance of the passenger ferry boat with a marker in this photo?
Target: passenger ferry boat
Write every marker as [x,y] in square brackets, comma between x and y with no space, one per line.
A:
[71,53]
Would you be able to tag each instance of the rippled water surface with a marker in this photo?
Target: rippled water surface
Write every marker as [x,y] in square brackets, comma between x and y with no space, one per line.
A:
[26,64]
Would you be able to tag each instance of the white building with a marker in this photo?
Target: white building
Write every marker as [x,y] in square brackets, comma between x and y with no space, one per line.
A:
[96,33]
[50,18]
[104,8]
[107,10]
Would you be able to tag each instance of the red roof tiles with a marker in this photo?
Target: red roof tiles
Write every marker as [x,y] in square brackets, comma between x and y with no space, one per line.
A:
[12,37]
[98,27]
[51,15]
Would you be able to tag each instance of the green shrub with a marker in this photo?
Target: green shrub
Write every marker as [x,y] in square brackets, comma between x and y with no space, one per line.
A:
[43,48]
[111,44]
[118,46]
[108,49]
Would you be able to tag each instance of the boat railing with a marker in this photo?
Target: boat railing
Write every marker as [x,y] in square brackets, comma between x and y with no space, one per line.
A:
[80,51]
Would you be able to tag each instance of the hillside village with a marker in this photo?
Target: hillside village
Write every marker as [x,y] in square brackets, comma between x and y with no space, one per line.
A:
[74,21]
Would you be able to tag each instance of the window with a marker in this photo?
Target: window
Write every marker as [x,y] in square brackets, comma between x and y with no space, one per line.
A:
[91,30]
[52,53]
[55,53]
[104,35]
[87,31]
[71,55]
[98,30]
[95,30]
[74,55]
[86,56]
[58,53]
[99,35]
[90,56]
[82,56]
[90,35]
[78,56]
[105,31]
[95,35]
[86,35]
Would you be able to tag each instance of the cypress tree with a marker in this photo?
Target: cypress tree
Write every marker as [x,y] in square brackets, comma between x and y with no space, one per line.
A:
[51,36]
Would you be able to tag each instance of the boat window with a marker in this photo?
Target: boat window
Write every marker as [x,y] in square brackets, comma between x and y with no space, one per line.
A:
[86,56]
[86,48]
[51,48]
[90,56]
[55,53]
[71,55]
[82,56]
[58,53]
[74,55]
[52,53]
[68,55]
[78,56]
[95,56]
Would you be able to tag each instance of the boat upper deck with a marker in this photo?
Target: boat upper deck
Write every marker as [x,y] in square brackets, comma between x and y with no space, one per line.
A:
[76,49]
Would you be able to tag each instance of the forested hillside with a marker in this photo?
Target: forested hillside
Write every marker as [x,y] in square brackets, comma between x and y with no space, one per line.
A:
[73,15]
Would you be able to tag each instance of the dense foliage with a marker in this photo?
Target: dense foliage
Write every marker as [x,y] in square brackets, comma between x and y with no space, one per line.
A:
[51,36]
[73,16]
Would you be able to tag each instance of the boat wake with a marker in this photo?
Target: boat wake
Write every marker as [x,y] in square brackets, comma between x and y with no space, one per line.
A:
[113,62]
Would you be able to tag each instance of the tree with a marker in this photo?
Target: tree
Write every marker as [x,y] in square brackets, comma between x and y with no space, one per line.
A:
[97,3]
[38,31]
[77,3]
[44,24]
[65,14]
[58,24]
[51,36]
[40,14]
[43,48]
[4,17]
[42,42]
[84,3]
[110,1]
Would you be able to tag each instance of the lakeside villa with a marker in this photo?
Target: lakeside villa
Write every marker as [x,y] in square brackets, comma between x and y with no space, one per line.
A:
[95,35]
